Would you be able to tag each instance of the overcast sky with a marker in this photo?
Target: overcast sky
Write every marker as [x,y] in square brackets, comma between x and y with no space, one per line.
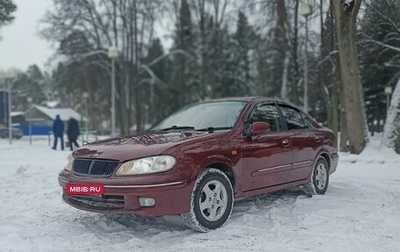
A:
[20,44]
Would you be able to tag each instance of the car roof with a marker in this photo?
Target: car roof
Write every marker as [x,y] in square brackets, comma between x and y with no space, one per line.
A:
[245,99]
[255,99]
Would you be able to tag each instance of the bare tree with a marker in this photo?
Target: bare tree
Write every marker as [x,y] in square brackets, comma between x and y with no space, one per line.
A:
[329,74]
[125,24]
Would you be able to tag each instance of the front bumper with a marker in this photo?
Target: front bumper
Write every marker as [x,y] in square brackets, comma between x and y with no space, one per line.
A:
[170,197]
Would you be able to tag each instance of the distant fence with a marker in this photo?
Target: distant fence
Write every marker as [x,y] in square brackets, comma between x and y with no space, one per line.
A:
[86,136]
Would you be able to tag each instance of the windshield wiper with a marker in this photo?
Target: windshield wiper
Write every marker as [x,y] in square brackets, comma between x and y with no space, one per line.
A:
[212,129]
[178,128]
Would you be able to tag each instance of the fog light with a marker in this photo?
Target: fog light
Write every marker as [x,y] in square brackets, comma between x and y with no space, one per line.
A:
[146,202]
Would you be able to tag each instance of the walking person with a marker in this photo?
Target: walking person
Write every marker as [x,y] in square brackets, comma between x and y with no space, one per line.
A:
[73,132]
[58,132]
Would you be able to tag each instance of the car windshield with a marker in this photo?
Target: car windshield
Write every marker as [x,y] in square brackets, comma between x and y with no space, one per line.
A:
[215,115]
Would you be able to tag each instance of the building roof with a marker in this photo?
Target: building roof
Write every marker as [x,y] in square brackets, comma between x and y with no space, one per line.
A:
[17,113]
[64,113]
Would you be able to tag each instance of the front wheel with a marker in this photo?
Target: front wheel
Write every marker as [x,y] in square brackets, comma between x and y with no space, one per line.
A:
[211,202]
[319,178]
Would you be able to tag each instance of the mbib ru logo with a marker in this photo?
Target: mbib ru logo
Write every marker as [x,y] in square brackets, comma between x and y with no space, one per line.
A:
[72,189]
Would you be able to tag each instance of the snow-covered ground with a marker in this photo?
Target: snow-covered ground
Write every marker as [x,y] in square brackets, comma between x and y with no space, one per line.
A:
[360,212]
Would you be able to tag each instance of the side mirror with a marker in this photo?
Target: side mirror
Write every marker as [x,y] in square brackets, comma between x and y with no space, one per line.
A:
[260,128]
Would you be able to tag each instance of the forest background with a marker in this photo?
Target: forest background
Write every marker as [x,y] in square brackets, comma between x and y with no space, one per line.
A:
[175,52]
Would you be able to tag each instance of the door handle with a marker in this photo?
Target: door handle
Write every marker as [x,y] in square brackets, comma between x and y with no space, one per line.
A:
[317,139]
[285,141]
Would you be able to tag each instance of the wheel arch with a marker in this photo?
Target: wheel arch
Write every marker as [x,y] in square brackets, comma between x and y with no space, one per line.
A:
[226,169]
[220,162]
[327,158]
[325,155]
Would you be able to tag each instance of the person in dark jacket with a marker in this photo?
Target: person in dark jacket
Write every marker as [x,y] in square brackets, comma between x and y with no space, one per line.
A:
[58,132]
[73,132]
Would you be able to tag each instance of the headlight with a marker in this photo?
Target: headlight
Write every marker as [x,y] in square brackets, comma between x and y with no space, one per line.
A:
[147,165]
[69,162]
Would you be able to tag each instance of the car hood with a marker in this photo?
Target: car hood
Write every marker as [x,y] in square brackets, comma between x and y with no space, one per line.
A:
[137,146]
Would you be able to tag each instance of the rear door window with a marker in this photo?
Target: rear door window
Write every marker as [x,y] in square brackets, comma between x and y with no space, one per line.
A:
[293,118]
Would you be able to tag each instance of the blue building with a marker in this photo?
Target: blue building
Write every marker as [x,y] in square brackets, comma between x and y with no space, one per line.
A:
[39,119]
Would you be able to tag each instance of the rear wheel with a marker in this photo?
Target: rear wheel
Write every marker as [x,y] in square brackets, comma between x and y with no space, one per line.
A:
[211,203]
[319,178]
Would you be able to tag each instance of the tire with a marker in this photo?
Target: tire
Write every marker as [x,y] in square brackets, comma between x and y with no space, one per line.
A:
[211,203]
[319,181]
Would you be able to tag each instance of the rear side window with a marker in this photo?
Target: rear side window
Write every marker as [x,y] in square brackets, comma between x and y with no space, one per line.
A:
[308,121]
[293,118]
[267,113]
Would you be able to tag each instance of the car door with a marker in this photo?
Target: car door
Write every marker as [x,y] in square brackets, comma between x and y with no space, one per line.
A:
[266,159]
[303,142]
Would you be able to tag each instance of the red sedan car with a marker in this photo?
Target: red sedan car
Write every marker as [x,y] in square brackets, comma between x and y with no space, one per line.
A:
[201,159]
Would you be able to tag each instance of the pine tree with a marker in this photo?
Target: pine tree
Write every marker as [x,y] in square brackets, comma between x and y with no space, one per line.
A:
[391,133]
[238,80]
[7,7]
[183,74]
[29,84]
[156,87]
[379,65]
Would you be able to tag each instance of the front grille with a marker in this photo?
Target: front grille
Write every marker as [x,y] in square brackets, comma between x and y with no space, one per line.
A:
[94,167]
[99,202]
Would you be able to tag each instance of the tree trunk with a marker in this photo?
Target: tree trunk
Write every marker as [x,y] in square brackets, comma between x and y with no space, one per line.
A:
[344,135]
[345,16]
[282,26]
[335,103]
[295,92]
